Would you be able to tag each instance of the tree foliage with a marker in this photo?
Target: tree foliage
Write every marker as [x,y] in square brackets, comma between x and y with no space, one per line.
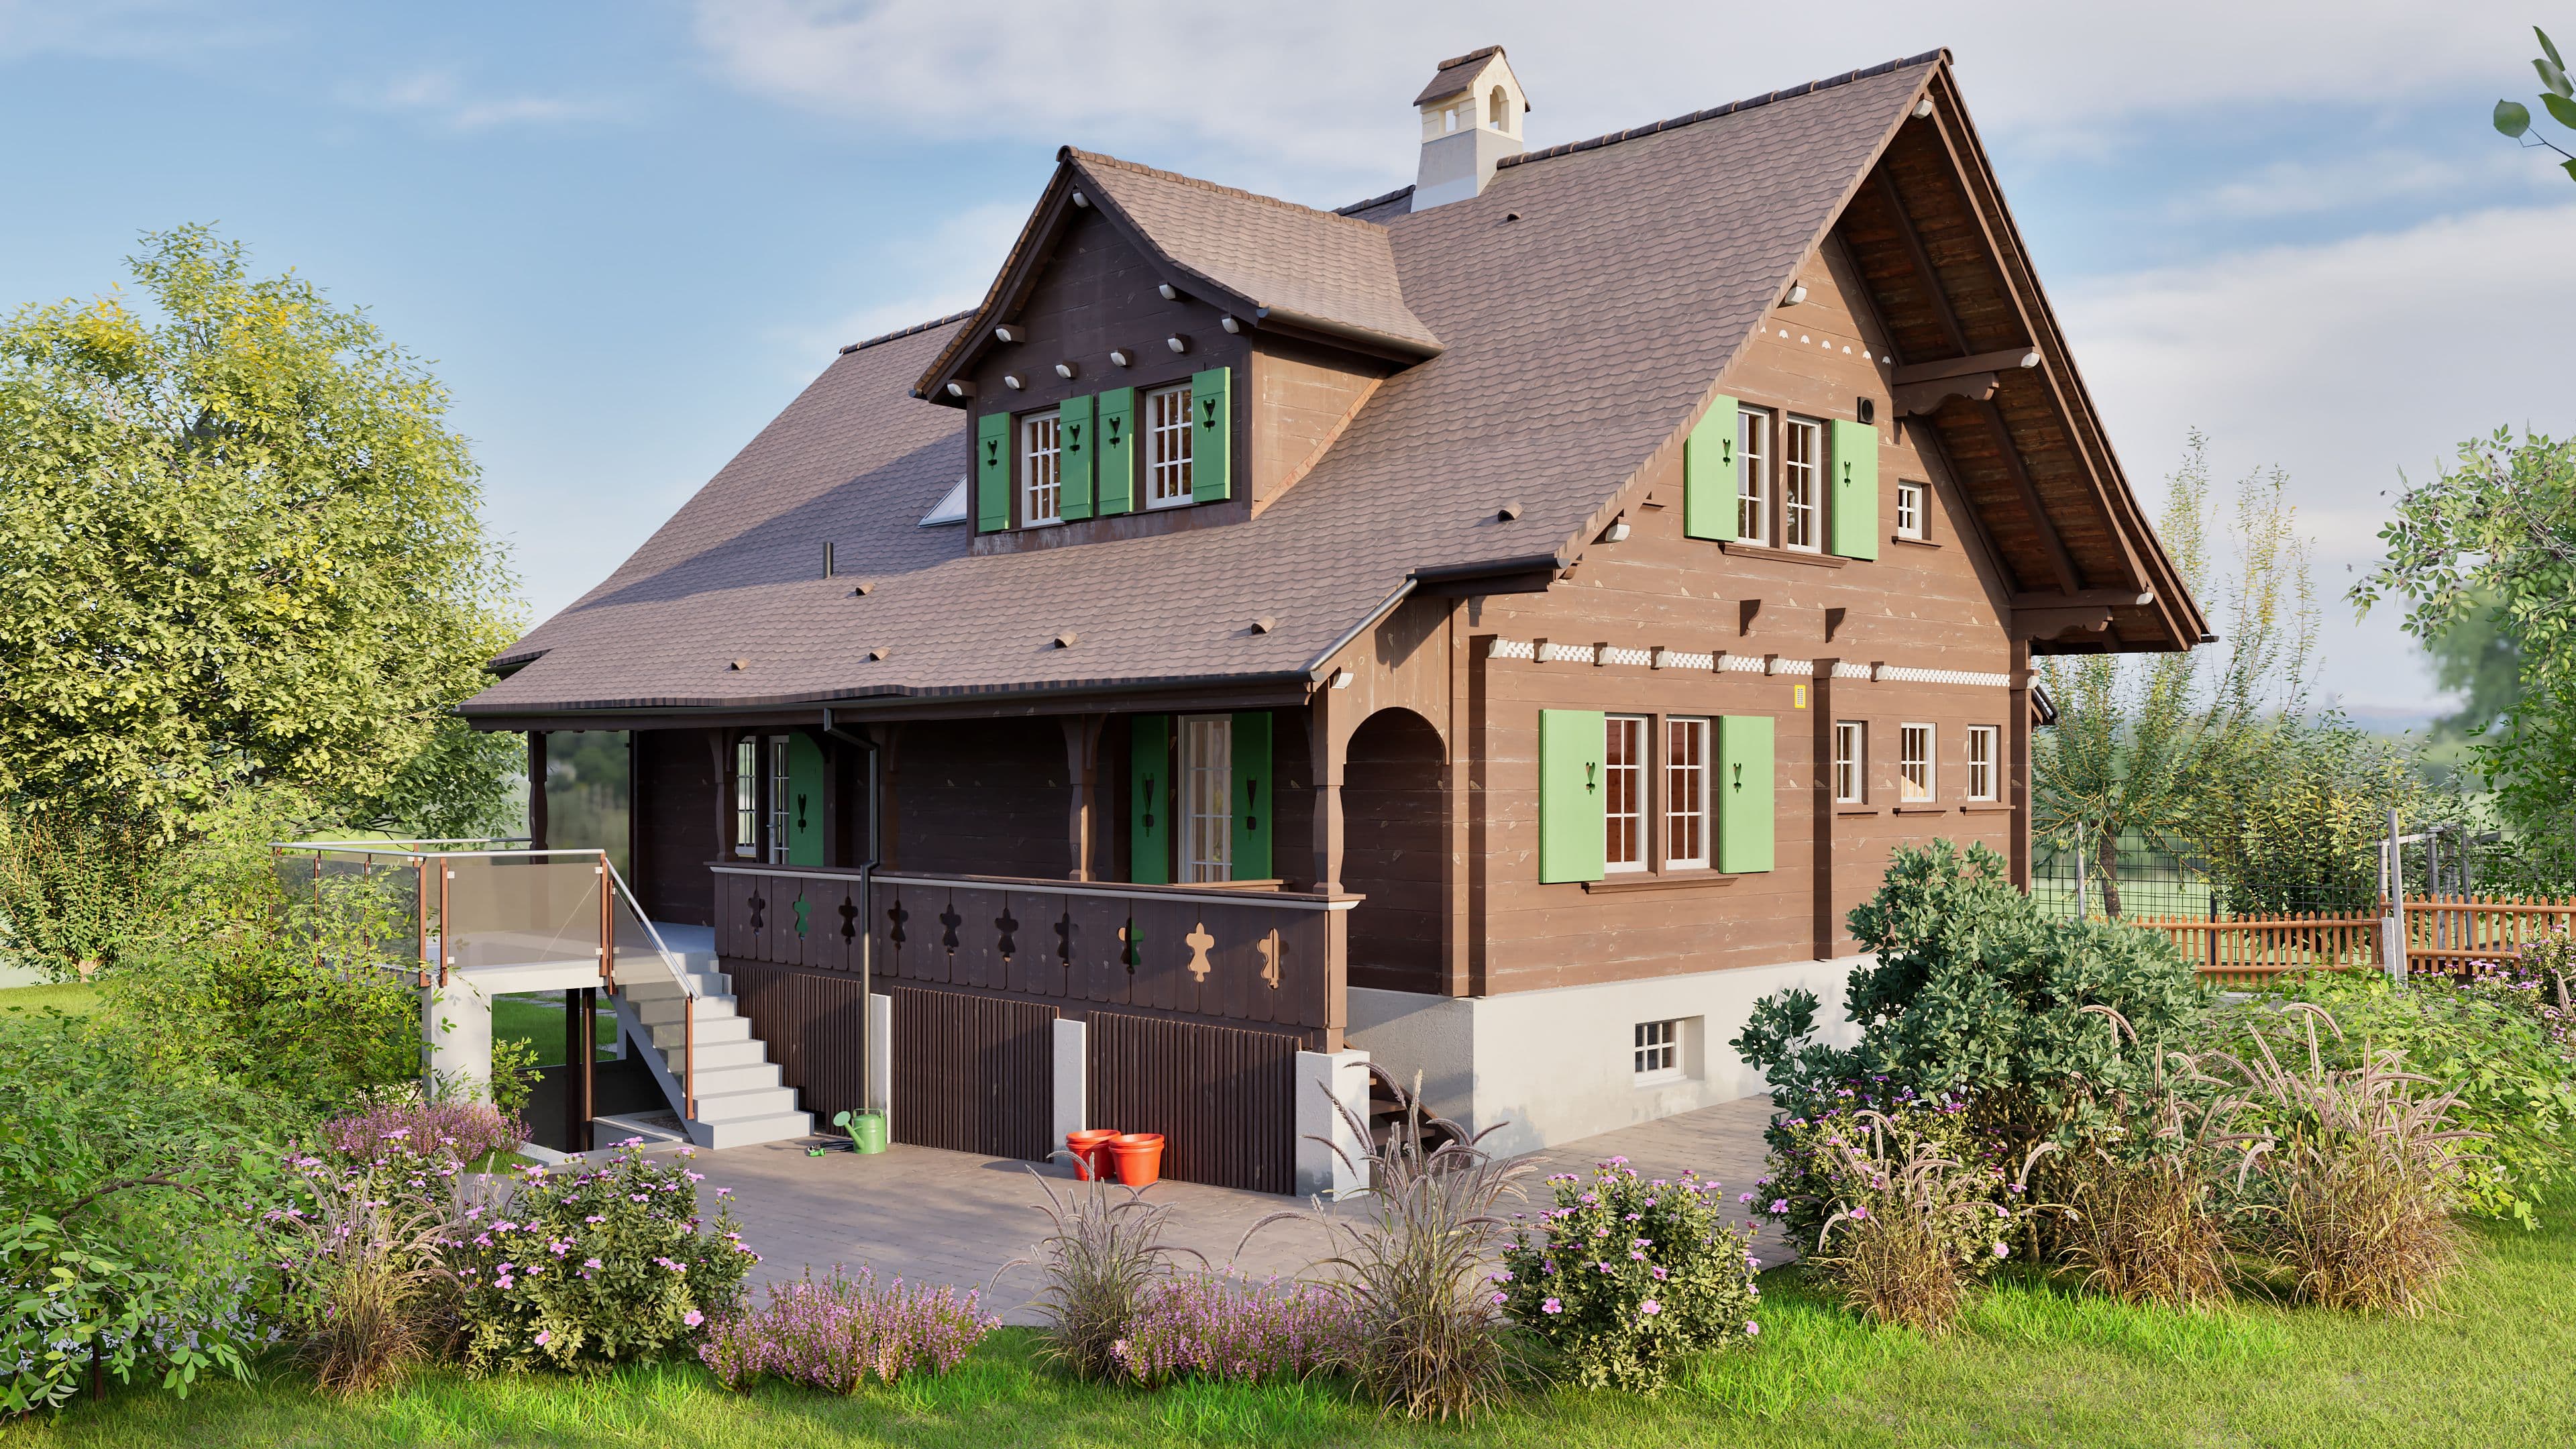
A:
[2557,97]
[238,545]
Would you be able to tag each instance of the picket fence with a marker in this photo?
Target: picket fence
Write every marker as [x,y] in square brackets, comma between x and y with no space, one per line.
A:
[2444,935]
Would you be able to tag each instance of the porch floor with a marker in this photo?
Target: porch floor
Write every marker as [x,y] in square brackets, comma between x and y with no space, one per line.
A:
[956,1218]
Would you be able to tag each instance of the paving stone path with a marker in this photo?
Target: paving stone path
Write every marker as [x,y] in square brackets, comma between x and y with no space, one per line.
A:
[955,1218]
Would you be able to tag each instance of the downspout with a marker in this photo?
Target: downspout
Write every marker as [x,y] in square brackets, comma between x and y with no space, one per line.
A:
[867,913]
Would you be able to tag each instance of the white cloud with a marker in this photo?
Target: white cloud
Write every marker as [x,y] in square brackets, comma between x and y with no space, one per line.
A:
[441,98]
[2300,187]
[162,30]
[1317,94]
[2342,362]
[918,278]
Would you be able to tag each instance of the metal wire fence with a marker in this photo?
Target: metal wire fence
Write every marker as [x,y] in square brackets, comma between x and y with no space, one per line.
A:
[2180,878]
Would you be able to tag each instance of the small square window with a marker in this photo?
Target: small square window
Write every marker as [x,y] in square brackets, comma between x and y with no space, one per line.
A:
[1658,1054]
[1909,508]
[1914,764]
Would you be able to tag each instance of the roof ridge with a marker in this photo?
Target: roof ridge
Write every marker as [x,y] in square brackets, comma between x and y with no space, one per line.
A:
[1479,53]
[1405,190]
[1096,158]
[902,332]
[1730,108]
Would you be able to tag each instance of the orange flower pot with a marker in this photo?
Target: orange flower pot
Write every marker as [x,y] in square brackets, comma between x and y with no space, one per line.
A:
[1139,1157]
[1090,1152]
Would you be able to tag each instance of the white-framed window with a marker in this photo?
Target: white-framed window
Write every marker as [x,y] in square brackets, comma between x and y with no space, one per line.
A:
[1623,788]
[1685,794]
[1851,761]
[1982,740]
[1802,484]
[1041,471]
[1913,763]
[1657,1056]
[1753,476]
[781,790]
[1167,446]
[746,797]
[1207,797]
[1909,508]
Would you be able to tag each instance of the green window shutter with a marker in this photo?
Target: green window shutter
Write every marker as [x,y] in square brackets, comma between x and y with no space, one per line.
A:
[1255,794]
[1113,452]
[1854,525]
[1074,454]
[1573,813]
[1149,800]
[1709,483]
[1747,793]
[1211,435]
[806,828]
[992,472]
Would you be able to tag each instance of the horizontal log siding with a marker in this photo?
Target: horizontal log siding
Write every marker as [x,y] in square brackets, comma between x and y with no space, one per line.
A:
[973,1073]
[1223,1099]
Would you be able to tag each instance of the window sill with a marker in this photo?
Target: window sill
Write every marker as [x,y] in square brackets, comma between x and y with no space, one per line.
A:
[1854,810]
[1922,809]
[1627,881]
[1916,542]
[1988,807]
[1668,1079]
[1784,555]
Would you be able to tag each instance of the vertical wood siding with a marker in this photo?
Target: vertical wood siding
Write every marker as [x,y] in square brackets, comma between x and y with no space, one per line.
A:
[973,1073]
[1222,1098]
[814,1026]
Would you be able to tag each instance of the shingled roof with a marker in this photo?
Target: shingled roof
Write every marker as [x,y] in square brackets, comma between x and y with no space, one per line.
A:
[1580,339]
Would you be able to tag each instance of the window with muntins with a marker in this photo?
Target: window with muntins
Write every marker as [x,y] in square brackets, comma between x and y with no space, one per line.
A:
[1686,794]
[1207,798]
[1909,509]
[1658,1052]
[746,797]
[781,790]
[1167,447]
[1623,788]
[1753,476]
[1851,760]
[1913,763]
[1981,762]
[1041,471]
[1802,485]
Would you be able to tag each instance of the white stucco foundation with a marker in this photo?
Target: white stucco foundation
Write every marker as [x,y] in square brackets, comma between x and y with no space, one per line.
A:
[456,1015]
[1550,1066]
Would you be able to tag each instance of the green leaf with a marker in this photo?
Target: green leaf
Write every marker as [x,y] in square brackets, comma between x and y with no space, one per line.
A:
[2569,167]
[2562,108]
[2513,118]
[2546,46]
[2555,78]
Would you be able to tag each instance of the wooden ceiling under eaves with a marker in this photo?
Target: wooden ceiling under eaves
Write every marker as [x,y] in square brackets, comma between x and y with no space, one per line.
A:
[1949,279]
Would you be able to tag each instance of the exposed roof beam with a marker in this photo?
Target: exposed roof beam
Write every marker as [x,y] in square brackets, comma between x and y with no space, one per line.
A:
[1922,399]
[1930,279]
[2115,598]
[2058,558]
[2005,360]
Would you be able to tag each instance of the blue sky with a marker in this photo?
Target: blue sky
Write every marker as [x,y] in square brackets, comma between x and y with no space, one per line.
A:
[627,233]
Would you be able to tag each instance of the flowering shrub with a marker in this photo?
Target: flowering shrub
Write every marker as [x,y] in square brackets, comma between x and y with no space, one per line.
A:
[1811,1177]
[464,1132]
[1223,1328]
[2540,983]
[834,1334]
[362,1253]
[594,1267]
[1625,1276]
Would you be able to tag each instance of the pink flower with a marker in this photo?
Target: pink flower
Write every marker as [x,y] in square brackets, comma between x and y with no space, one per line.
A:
[1860,1212]
[1551,1306]
[1650,1308]
[693,1318]
[1752,1329]
[1498,1298]
[2002,1252]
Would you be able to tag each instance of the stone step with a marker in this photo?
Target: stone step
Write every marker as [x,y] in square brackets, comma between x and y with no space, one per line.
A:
[670,1037]
[715,1081]
[667,1010]
[737,1106]
[715,1054]
[658,984]
[752,1131]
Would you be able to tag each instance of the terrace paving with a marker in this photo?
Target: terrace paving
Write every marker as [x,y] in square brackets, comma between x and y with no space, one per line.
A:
[957,1218]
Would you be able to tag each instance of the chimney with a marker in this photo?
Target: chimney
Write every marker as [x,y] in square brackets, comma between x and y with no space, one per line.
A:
[1471,119]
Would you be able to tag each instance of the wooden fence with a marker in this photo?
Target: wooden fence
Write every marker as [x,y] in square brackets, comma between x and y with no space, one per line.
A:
[2445,935]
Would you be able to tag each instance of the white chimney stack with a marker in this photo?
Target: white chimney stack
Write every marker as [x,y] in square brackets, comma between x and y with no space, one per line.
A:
[1471,119]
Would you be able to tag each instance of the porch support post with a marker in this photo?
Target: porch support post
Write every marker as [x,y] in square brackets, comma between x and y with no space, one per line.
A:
[1328,728]
[536,789]
[2018,781]
[1082,776]
[1328,1085]
[889,738]
[1072,1078]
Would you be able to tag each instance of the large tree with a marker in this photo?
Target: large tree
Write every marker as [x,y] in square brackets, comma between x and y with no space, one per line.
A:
[239,545]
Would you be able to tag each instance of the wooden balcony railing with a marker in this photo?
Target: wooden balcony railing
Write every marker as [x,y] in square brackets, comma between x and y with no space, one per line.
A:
[1235,954]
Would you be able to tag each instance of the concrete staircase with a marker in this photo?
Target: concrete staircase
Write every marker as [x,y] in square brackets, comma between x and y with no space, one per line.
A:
[740,1099]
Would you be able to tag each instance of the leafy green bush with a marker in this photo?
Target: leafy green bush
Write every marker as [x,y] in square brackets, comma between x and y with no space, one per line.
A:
[1628,1278]
[130,1197]
[590,1268]
[1975,993]
[2513,1085]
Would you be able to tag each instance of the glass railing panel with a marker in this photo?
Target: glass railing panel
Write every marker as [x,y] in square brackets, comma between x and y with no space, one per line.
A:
[641,953]
[518,910]
[353,905]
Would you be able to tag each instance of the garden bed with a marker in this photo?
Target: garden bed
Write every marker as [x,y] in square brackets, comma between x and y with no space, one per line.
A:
[2029,1364]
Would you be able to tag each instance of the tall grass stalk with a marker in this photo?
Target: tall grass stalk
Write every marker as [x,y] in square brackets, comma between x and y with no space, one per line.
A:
[1102,1258]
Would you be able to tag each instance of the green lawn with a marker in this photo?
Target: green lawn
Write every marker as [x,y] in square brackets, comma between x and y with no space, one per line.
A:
[2033,1366]
[72,997]
[538,1017]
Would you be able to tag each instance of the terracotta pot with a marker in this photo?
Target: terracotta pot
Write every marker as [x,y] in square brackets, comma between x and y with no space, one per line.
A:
[1090,1152]
[1139,1156]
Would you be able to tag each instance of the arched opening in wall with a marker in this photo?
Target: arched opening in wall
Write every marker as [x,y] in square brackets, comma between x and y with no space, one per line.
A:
[1395,833]
[1497,108]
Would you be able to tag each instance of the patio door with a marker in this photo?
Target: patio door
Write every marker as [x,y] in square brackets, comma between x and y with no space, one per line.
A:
[1199,798]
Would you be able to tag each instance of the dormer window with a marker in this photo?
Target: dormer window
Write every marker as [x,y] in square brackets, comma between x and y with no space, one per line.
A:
[1167,447]
[1041,472]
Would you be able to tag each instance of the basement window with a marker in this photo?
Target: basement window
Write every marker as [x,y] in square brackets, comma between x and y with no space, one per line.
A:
[1658,1052]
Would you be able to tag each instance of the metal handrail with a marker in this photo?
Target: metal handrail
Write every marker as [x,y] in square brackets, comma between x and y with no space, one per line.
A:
[689,994]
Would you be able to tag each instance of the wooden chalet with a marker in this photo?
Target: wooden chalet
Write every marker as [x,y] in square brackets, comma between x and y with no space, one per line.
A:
[1500,628]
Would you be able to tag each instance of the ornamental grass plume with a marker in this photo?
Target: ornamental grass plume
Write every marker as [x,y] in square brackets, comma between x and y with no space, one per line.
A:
[838,1333]
[2355,1201]
[1907,1245]
[1225,1328]
[1429,1336]
[363,1255]
[1100,1261]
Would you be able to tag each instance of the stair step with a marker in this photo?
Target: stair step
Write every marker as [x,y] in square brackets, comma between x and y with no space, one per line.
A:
[715,1081]
[715,1055]
[667,1010]
[670,1036]
[654,983]
[736,1106]
[752,1131]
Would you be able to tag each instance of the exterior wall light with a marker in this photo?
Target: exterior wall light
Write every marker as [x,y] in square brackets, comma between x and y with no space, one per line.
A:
[1177,343]
[958,389]
[1011,380]
[1120,357]
[1616,532]
[1342,678]
[1064,370]
[1229,324]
